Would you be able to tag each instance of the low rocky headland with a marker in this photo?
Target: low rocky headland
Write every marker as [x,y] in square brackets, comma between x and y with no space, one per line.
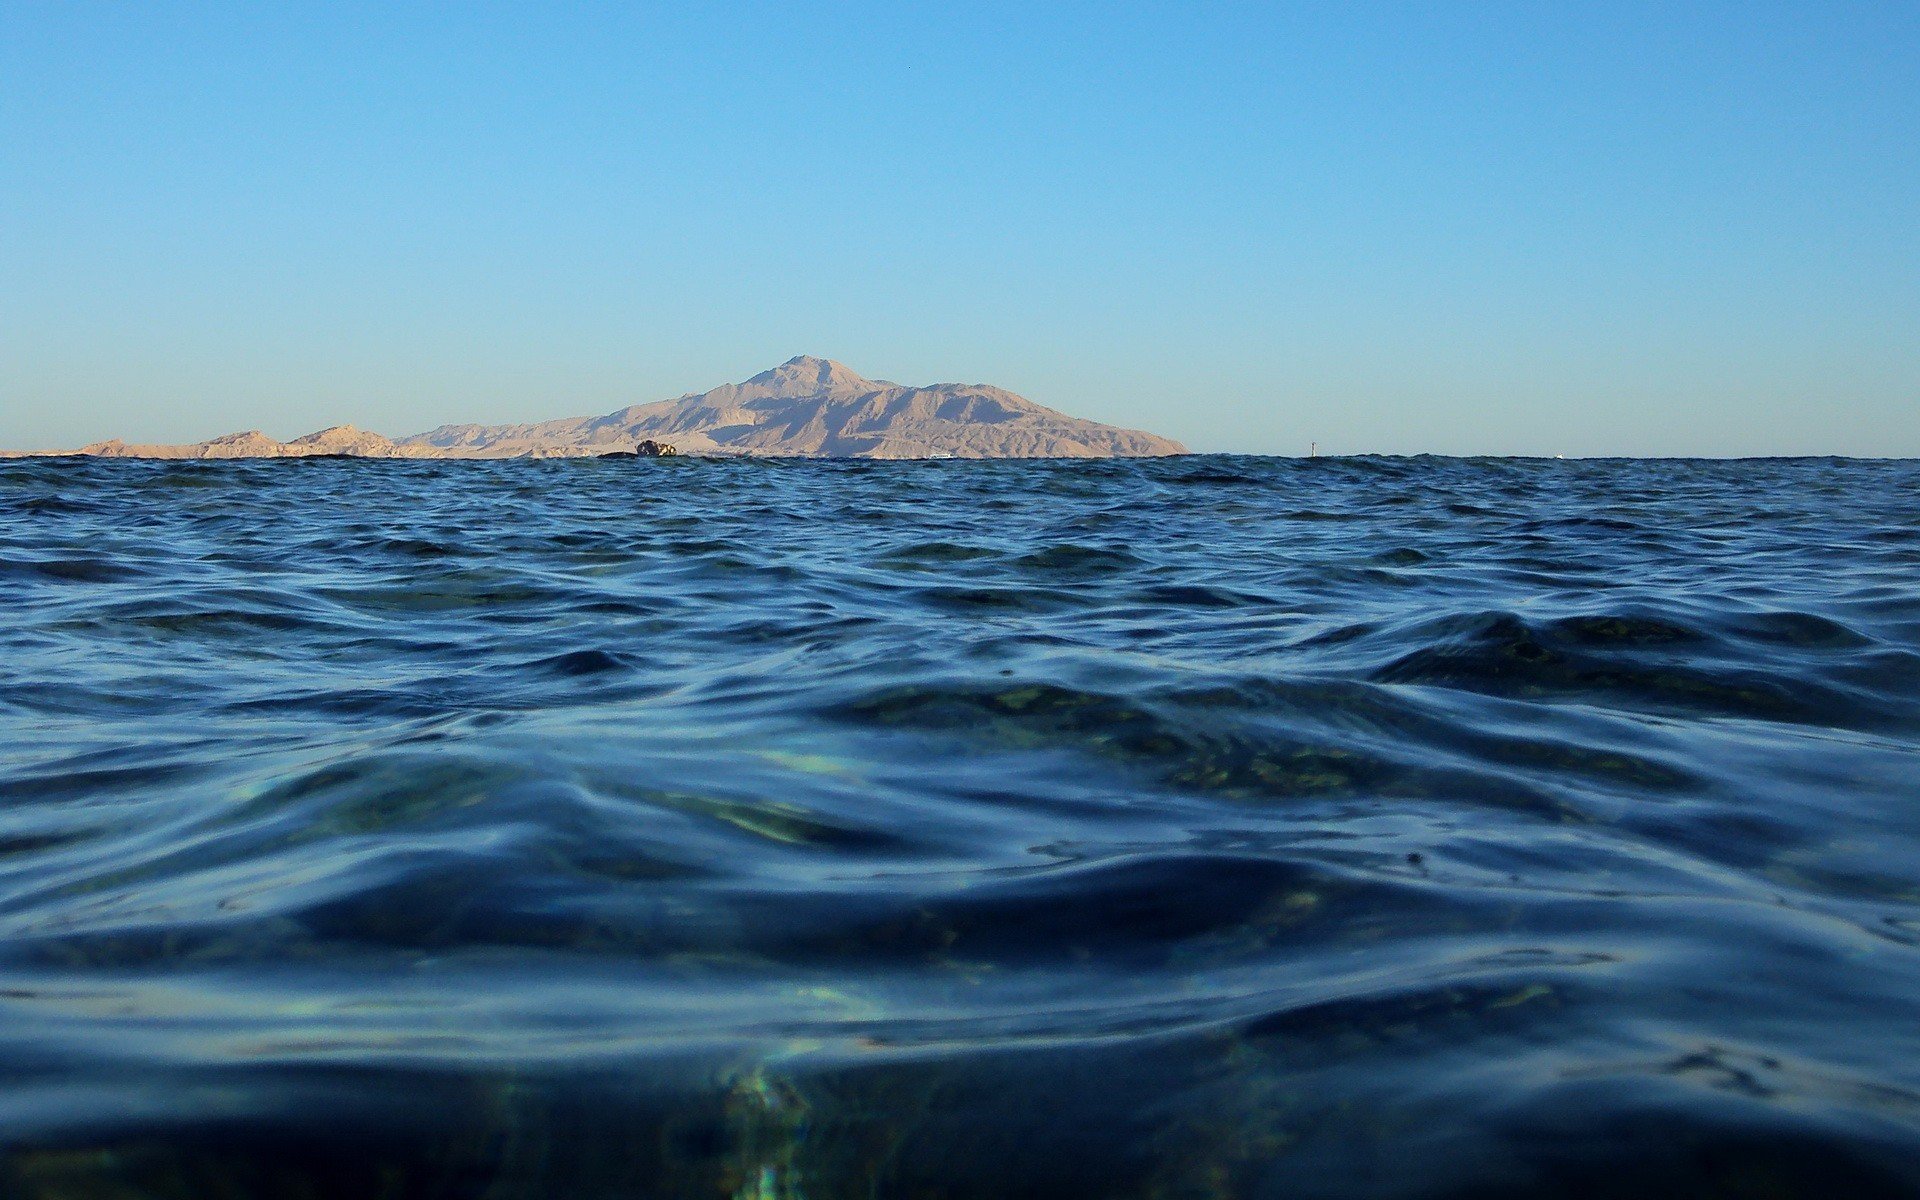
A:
[806,407]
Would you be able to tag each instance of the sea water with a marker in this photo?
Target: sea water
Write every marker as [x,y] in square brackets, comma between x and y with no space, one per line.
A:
[1199,827]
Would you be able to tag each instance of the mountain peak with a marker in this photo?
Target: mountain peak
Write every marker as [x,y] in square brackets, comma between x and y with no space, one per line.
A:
[805,375]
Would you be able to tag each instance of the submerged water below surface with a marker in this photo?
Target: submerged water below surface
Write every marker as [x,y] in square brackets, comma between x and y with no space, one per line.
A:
[1198,827]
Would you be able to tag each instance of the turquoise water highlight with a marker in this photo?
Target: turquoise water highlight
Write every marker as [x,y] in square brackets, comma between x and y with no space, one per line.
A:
[1198,827]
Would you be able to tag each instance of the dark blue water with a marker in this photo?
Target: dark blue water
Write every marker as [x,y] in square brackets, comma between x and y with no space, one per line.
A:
[1205,827]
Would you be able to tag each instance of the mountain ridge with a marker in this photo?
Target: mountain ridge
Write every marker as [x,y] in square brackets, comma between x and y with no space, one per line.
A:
[805,407]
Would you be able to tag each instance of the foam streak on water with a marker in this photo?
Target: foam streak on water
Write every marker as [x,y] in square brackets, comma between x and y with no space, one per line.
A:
[1181,828]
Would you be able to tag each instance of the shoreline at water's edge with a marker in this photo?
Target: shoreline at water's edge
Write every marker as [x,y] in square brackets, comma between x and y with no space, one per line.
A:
[711,456]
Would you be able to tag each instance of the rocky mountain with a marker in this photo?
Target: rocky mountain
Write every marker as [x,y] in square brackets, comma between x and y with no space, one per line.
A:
[816,407]
[805,406]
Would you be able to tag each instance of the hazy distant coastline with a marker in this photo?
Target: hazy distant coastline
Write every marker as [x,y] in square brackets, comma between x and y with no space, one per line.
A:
[807,407]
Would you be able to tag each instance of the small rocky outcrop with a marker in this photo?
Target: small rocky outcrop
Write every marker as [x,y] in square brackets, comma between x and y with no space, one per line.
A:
[339,440]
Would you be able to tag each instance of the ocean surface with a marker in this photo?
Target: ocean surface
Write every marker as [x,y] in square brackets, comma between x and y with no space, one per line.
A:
[1190,828]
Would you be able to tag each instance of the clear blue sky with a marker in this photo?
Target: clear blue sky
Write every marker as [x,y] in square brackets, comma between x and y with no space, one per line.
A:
[1472,227]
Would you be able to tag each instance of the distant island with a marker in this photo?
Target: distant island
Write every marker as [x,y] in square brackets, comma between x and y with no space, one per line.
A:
[809,407]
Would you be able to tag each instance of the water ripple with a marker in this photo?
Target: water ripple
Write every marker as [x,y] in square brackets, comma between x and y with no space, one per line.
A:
[1180,828]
